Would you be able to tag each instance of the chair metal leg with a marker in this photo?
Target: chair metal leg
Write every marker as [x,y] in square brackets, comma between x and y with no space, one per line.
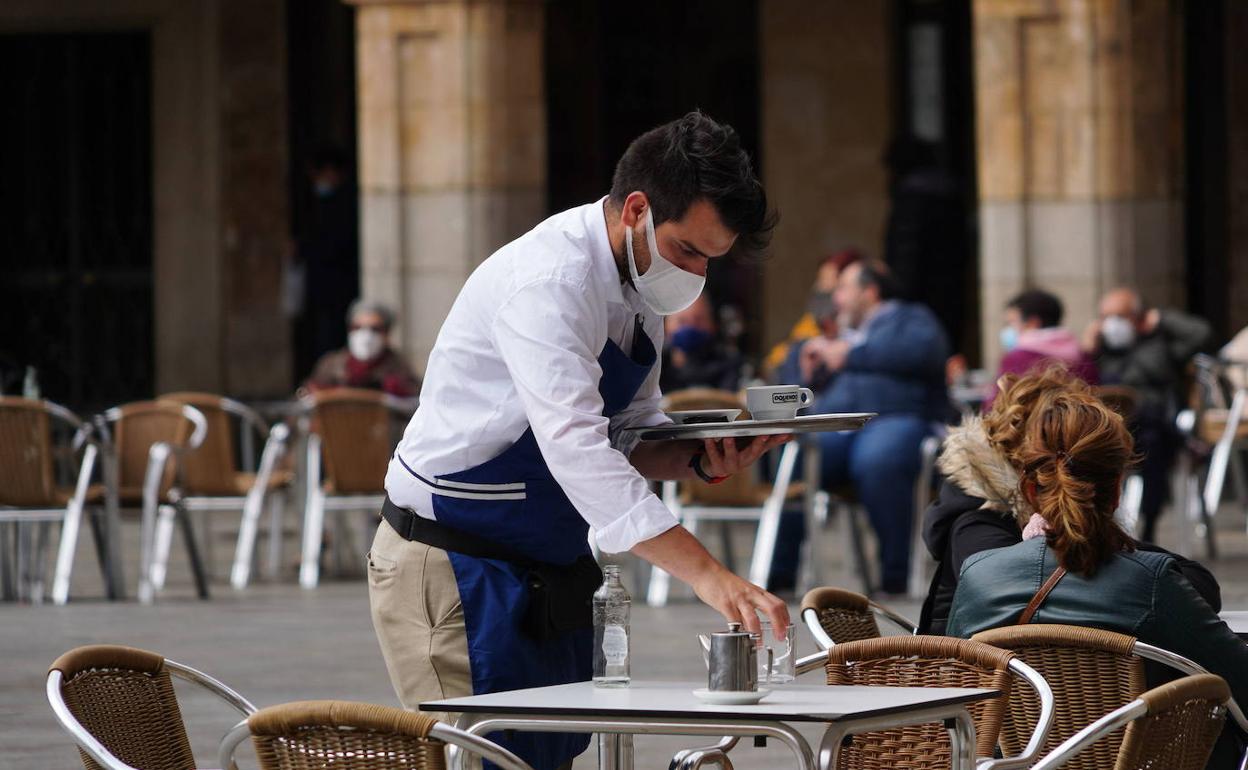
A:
[22,561]
[814,510]
[164,543]
[112,530]
[769,522]
[8,557]
[240,571]
[99,537]
[858,553]
[1220,462]
[314,518]
[39,561]
[660,581]
[725,544]
[70,528]
[192,551]
[277,511]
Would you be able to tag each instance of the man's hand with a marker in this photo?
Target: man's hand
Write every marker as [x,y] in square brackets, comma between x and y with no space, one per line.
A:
[1091,340]
[679,553]
[1151,320]
[722,457]
[738,599]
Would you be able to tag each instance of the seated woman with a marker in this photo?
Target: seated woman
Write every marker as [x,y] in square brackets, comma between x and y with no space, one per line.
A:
[368,361]
[1071,457]
[979,507]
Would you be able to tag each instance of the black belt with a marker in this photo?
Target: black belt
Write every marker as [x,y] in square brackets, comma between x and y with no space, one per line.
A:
[412,526]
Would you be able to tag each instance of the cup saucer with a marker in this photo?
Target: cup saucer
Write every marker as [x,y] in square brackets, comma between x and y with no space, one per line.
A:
[731,697]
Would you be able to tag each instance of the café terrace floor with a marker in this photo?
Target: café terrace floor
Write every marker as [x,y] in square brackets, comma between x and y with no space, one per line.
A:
[275,642]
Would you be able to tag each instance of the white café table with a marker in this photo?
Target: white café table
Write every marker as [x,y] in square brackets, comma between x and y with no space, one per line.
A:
[669,708]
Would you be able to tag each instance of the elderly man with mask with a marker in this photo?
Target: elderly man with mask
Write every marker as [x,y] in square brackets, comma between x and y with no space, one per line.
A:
[368,360]
[1147,349]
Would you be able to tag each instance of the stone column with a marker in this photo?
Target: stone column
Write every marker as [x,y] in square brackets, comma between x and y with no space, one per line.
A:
[1079,114]
[826,119]
[452,129]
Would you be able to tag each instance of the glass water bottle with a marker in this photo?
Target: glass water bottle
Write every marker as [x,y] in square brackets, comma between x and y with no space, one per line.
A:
[611,610]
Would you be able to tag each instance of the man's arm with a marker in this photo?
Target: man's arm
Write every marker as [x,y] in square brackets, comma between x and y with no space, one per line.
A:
[680,554]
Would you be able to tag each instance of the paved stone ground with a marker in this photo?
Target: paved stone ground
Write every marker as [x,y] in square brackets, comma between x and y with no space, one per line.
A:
[276,643]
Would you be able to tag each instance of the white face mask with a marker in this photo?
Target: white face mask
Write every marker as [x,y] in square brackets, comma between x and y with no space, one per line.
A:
[665,287]
[365,344]
[1118,332]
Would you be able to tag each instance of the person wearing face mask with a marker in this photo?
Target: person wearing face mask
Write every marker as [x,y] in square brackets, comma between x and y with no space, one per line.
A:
[481,572]
[1147,349]
[368,360]
[1033,338]
[693,356]
[780,365]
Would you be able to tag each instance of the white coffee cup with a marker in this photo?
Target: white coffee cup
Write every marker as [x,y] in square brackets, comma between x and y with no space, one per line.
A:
[777,402]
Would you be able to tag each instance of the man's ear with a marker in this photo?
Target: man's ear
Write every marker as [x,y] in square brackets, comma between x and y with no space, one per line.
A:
[634,208]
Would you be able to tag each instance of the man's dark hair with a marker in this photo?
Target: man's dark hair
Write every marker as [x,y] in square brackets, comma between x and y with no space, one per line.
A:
[1036,303]
[875,273]
[696,158]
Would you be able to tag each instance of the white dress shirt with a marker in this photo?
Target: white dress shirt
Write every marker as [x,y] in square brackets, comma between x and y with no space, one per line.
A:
[520,348]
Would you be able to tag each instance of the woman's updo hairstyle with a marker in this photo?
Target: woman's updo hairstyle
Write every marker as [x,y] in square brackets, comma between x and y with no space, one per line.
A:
[1074,449]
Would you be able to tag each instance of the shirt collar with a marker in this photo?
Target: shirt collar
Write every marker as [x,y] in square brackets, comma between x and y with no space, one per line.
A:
[605,269]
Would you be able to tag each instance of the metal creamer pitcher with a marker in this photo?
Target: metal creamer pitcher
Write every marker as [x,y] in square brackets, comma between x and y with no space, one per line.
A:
[731,660]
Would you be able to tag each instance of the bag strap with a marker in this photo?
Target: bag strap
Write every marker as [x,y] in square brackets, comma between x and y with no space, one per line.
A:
[1034,605]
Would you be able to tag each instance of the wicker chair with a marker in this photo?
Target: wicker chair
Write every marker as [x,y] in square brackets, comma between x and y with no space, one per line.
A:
[212,481]
[741,497]
[835,616]
[1092,672]
[930,661]
[354,736]
[143,442]
[1173,726]
[29,493]
[353,430]
[119,706]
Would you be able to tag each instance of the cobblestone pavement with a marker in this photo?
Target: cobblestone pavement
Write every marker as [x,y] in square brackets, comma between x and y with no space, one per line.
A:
[275,642]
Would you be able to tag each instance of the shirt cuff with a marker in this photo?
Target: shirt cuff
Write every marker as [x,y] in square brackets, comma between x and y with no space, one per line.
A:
[649,518]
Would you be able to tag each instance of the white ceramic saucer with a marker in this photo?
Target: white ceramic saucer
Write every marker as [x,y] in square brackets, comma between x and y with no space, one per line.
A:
[731,697]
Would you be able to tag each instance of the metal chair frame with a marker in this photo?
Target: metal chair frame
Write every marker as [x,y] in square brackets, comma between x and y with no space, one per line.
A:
[1106,725]
[452,736]
[252,504]
[153,508]
[1199,503]
[70,518]
[319,502]
[810,616]
[1020,670]
[96,750]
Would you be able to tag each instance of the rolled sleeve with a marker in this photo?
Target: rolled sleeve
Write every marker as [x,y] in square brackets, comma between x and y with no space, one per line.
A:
[545,337]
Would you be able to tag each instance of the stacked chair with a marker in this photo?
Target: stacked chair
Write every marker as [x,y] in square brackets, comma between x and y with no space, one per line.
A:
[30,494]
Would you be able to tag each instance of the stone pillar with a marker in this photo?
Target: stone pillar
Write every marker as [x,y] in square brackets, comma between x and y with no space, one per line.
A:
[1079,114]
[452,129]
[826,120]
[255,214]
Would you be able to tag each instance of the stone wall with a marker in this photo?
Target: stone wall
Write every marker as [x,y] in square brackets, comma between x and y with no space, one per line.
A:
[452,147]
[1079,114]
[826,120]
[1237,173]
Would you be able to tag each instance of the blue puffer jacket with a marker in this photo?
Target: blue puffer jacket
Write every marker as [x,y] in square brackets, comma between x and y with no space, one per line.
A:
[898,369]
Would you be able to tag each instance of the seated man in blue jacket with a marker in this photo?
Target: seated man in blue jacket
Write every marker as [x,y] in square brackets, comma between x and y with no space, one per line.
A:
[890,359]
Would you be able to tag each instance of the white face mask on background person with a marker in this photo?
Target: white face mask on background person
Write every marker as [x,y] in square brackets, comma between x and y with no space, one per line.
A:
[665,287]
[1009,338]
[1118,332]
[365,344]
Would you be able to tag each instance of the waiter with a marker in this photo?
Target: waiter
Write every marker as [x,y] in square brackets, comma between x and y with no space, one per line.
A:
[480,570]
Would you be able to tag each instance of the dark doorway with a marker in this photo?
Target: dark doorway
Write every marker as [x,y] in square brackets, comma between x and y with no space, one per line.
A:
[931,235]
[1206,204]
[615,70]
[76,245]
[321,66]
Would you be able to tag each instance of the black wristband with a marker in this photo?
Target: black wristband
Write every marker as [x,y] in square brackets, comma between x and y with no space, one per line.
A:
[695,462]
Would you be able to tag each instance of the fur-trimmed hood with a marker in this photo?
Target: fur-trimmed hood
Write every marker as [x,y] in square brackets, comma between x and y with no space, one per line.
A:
[969,462]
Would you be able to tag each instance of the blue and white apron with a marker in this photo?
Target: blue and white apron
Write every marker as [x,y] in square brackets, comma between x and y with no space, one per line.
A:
[513,500]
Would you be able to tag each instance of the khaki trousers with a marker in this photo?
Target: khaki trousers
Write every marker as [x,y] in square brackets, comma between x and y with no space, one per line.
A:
[418,619]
